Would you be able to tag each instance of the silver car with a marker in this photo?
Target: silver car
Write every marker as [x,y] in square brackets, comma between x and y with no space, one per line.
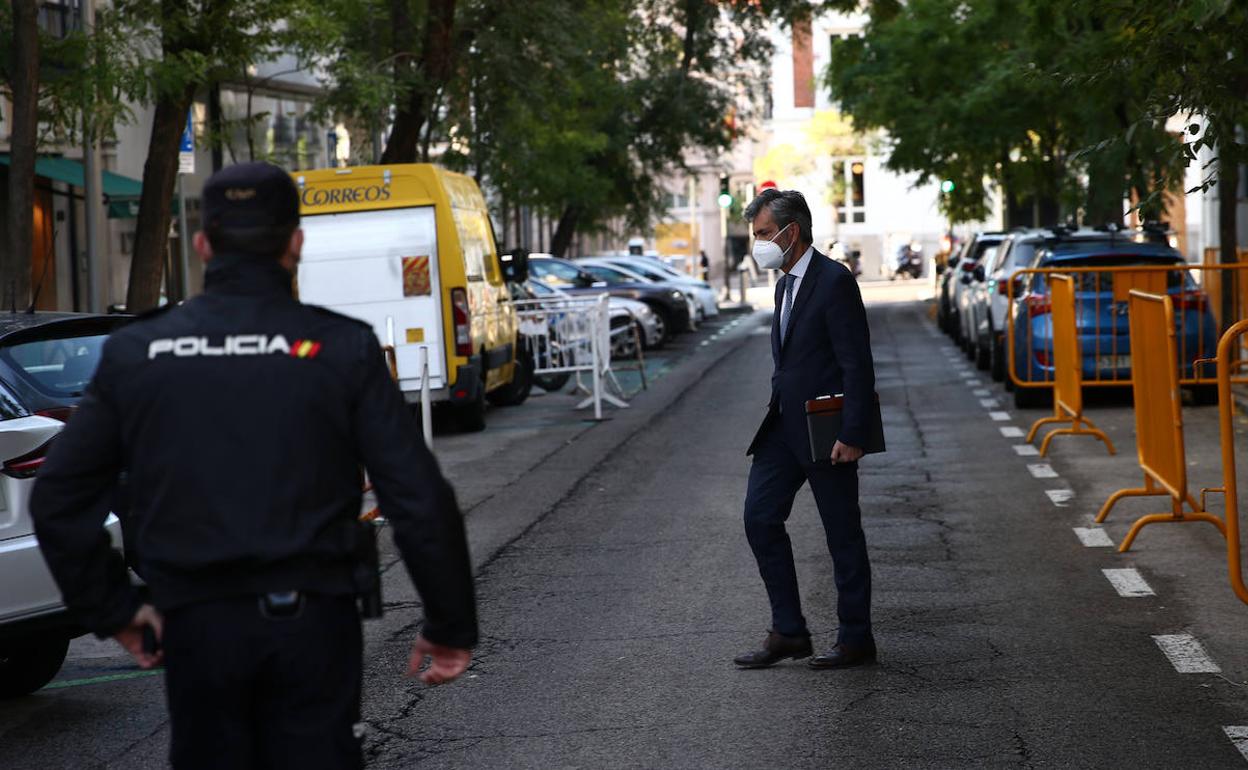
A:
[655,270]
[46,361]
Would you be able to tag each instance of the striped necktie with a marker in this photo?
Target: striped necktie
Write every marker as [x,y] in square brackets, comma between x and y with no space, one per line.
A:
[787,311]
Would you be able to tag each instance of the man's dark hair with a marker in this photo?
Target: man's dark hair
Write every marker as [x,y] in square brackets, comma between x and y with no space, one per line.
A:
[265,242]
[786,207]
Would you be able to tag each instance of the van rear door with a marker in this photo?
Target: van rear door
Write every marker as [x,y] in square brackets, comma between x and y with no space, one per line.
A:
[381,267]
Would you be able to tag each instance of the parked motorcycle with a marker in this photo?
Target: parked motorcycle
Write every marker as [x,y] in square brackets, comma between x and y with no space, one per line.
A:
[909,261]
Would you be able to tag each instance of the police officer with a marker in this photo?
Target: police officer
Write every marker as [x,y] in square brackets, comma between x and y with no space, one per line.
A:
[241,420]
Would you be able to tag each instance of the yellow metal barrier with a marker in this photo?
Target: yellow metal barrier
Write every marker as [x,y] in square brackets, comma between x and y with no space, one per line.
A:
[1158,417]
[1227,349]
[1068,363]
[1101,326]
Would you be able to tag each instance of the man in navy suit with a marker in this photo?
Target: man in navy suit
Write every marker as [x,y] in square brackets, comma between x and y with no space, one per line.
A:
[821,346]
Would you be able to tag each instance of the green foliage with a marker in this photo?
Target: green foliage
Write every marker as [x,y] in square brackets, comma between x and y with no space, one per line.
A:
[982,92]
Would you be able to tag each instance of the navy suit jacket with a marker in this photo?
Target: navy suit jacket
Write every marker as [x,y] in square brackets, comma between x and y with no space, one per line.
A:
[827,351]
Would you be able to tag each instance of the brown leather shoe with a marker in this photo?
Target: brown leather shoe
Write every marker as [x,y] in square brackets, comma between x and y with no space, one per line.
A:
[776,648]
[844,656]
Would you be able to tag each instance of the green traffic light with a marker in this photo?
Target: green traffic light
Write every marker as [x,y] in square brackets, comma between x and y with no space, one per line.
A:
[947,186]
[725,200]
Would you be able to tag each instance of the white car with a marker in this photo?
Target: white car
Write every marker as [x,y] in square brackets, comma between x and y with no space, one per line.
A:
[649,323]
[46,360]
[655,270]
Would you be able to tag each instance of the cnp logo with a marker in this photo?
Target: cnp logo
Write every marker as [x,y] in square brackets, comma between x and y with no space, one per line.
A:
[232,345]
[318,196]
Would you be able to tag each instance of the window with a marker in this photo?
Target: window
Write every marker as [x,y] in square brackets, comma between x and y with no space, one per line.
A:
[273,127]
[58,17]
[849,189]
[612,276]
[555,273]
[61,366]
[676,200]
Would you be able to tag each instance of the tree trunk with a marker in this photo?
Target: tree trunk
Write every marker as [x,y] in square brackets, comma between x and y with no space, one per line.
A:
[1104,201]
[564,231]
[160,174]
[1228,228]
[432,73]
[24,135]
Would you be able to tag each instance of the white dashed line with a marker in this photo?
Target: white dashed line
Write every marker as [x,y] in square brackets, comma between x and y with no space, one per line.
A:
[982,392]
[1060,497]
[1239,737]
[1042,470]
[1012,431]
[974,383]
[989,403]
[1186,654]
[705,343]
[999,416]
[1128,582]
[1025,450]
[1093,538]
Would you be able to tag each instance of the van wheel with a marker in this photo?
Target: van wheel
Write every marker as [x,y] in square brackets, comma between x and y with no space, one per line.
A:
[552,383]
[26,664]
[515,392]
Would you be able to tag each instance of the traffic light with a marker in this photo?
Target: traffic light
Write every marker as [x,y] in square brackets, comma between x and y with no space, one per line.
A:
[725,194]
[947,186]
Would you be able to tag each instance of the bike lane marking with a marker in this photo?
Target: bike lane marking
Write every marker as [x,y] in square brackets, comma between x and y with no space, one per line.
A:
[1129,583]
[1186,654]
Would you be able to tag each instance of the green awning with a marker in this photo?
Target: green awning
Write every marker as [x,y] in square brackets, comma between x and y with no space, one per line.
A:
[120,192]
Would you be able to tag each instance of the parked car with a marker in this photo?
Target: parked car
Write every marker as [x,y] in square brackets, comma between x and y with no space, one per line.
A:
[1101,322]
[989,291]
[984,249]
[945,279]
[624,312]
[617,275]
[46,361]
[958,276]
[672,305]
[660,272]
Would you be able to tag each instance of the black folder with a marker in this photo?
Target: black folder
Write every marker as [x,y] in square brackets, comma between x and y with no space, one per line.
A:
[823,423]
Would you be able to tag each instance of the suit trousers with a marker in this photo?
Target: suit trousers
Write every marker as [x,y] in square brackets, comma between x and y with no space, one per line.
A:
[246,690]
[776,476]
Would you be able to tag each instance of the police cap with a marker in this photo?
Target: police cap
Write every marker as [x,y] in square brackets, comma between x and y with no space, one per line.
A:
[250,196]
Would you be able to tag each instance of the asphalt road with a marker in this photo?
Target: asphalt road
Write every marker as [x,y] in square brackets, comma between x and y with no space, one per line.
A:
[615,586]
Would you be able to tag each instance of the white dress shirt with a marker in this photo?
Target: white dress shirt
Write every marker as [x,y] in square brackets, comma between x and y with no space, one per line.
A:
[797,271]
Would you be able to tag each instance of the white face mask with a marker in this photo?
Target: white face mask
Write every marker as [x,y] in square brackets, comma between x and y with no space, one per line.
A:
[768,254]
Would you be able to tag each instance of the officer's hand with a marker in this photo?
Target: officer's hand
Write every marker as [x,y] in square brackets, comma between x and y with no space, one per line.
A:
[844,453]
[131,636]
[446,663]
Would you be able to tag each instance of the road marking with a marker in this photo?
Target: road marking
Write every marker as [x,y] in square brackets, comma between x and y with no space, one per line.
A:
[1186,654]
[1239,737]
[1042,470]
[974,383]
[982,392]
[1128,582]
[705,343]
[1025,450]
[999,416]
[1012,431]
[1060,497]
[99,679]
[989,403]
[1093,537]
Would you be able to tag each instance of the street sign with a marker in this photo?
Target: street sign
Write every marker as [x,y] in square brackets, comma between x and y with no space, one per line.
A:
[186,150]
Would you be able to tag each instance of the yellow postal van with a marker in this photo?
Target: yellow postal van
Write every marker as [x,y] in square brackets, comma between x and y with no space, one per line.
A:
[409,249]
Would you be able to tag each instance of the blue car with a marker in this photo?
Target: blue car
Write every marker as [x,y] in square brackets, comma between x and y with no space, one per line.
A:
[1102,322]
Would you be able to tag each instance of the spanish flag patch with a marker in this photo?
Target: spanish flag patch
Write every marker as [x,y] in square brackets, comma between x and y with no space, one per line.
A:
[305,349]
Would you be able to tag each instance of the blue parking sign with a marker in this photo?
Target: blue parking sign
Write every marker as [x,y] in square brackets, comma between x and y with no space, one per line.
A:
[188,136]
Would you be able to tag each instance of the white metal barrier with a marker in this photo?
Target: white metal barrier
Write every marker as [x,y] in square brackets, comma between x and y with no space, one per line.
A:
[572,335]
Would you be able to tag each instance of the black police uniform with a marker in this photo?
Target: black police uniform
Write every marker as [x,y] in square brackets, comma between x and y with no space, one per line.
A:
[241,420]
